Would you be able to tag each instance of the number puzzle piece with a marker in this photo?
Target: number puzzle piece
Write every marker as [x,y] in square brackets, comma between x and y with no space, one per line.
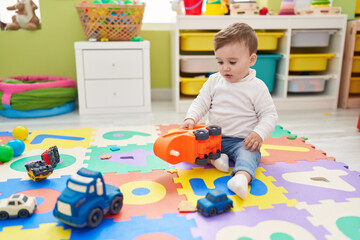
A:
[125,135]
[151,194]
[65,138]
[285,150]
[258,224]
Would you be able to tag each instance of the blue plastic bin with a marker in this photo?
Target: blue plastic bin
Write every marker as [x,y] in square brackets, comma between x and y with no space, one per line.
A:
[265,67]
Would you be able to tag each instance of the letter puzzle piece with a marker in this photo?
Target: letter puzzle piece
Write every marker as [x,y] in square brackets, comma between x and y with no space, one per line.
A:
[296,179]
[215,179]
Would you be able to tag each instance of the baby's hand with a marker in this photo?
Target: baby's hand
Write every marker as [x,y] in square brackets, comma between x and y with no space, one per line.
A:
[188,123]
[253,142]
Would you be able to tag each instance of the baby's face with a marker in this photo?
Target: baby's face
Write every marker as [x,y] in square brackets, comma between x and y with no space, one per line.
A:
[234,61]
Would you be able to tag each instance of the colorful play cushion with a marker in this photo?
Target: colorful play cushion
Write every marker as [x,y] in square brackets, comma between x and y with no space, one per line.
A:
[36,96]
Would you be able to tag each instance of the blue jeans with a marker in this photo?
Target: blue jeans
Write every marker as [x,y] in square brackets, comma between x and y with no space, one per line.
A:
[244,159]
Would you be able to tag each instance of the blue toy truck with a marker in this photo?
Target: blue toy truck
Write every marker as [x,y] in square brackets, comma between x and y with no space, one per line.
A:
[86,199]
[214,203]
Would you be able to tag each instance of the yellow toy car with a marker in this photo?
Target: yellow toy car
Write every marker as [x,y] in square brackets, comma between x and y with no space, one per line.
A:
[38,170]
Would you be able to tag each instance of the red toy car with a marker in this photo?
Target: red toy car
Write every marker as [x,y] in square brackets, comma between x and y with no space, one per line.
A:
[51,156]
[194,146]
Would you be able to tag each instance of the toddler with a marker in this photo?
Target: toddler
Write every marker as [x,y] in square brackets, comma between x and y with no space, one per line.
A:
[239,103]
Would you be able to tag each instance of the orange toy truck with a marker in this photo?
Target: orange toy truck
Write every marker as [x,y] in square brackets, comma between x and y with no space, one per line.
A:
[194,146]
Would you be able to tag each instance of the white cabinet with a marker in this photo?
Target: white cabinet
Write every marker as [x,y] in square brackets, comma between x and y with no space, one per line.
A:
[283,97]
[113,77]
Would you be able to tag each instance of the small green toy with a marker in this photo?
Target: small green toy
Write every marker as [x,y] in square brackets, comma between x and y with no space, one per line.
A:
[137,39]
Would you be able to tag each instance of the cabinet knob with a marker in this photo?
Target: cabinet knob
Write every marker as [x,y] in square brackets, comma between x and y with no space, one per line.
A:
[113,65]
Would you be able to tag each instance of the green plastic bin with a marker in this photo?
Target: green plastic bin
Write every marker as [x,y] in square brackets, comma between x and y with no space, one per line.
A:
[265,67]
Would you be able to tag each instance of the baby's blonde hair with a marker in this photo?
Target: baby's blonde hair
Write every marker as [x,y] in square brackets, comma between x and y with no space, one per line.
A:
[237,32]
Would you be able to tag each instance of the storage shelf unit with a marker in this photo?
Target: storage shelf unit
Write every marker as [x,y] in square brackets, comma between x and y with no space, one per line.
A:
[113,77]
[346,99]
[286,24]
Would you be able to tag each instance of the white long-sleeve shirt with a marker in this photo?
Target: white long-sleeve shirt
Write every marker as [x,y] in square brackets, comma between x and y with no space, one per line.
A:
[238,108]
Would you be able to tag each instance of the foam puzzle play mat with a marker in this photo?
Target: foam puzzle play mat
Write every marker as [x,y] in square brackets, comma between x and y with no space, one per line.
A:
[298,193]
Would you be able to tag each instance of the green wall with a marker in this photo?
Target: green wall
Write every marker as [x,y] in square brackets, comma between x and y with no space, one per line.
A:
[50,50]
[347,7]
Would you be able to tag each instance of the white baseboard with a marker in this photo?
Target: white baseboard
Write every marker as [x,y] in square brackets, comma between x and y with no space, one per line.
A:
[160,94]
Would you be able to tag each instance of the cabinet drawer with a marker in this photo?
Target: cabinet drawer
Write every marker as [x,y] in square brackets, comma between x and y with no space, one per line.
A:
[112,64]
[114,93]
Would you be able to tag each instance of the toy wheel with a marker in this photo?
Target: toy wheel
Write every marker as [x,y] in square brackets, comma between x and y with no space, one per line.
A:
[201,134]
[227,208]
[202,161]
[116,204]
[95,217]
[212,212]
[23,213]
[214,130]
[27,166]
[215,155]
[4,215]
[200,209]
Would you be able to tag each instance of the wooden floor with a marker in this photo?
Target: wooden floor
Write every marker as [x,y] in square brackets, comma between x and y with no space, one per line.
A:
[333,131]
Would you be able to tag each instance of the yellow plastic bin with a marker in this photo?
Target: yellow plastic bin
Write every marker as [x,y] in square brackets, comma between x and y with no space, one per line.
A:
[191,86]
[357,43]
[309,61]
[354,85]
[356,64]
[268,41]
[197,41]
[203,41]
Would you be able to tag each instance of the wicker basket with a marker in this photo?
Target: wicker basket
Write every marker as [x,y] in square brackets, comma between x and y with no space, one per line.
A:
[116,22]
